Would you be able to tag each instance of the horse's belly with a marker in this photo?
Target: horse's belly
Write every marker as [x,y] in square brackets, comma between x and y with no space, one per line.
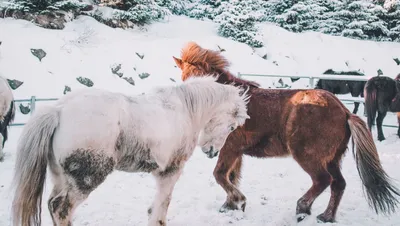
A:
[128,164]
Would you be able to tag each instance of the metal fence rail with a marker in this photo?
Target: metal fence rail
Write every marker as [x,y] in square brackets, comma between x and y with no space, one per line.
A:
[324,76]
[32,102]
[311,78]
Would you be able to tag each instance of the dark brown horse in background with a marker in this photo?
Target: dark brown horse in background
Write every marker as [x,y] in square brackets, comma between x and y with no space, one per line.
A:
[382,94]
[355,88]
[312,126]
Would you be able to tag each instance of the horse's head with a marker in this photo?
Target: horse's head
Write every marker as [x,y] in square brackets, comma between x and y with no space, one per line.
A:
[197,61]
[228,116]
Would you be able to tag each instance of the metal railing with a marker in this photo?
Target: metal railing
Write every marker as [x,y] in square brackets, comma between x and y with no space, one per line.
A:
[327,77]
[32,102]
[311,78]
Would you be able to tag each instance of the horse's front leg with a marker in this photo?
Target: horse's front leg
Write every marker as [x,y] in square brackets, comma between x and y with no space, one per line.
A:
[166,181]
[227,174]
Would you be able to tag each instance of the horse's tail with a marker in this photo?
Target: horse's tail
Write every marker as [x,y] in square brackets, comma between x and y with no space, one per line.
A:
[371,103]
[8,119]
[381,194]
[33,150]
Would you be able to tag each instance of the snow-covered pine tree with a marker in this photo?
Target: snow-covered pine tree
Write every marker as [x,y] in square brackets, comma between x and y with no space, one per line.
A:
[141,11]
[237,21]
[177,7]
[361,19]
[45,5]
[392,18]
[236,18]
[356,19]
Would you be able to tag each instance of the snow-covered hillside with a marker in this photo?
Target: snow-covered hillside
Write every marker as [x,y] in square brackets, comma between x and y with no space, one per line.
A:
[88,49]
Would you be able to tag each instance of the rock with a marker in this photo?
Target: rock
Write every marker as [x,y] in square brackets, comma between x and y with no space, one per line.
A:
[39,53]
[140,56]
[14,84]
[129,80]
[281,84]
[85,81]
[67,89]
[264,56]
[294,79]
[172,79]
[144,75]
[24,109]
[395,60]
[115,70]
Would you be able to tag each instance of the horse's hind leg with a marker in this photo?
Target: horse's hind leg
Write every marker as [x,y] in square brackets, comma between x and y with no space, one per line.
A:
[379,122]
[82,172]
[320,179]
[62,203]
[398,121]
[356,106]
[166,181]
[337,189]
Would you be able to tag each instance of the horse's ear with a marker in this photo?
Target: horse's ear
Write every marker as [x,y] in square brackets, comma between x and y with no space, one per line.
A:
[178,62]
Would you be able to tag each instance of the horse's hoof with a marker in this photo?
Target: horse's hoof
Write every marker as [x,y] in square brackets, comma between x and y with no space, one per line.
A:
[381,138]
[301,216]
[228,206]
[243,206]
[1,157]
[324,219]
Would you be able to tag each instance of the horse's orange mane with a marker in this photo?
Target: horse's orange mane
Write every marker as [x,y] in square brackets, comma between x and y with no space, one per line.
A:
[210,60]
[192,53]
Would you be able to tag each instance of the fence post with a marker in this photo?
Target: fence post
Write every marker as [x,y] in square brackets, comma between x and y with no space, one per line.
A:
[33,103]
[311,82]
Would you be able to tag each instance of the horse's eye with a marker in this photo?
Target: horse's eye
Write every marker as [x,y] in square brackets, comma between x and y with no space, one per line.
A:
[232,128]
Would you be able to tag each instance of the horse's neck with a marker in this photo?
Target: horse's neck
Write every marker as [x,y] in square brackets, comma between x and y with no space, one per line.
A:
[227,77]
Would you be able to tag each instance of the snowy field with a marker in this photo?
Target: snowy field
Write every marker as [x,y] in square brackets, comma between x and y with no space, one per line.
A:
[272,186]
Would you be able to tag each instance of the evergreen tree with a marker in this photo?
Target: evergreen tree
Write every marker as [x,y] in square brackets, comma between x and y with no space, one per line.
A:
[236,18]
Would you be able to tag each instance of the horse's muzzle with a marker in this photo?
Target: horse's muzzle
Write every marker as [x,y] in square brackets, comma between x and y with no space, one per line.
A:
[210,152]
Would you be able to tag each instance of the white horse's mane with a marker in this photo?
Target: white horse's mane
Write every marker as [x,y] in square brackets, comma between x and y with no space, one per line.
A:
[194,89]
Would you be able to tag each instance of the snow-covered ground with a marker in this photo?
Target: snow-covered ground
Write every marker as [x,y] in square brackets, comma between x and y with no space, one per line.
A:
[272,186]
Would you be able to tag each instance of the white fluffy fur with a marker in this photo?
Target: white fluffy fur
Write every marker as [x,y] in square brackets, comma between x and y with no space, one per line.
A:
[6,97]
[166,121]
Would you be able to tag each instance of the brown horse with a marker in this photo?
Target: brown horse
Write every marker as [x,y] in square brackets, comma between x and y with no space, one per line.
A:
[313,126]
[382,94]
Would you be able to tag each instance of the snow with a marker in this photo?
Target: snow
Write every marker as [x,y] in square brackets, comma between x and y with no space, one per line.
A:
[272,186]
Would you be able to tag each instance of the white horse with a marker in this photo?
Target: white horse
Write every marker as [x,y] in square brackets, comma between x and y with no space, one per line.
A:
[88,134]
[7,112]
